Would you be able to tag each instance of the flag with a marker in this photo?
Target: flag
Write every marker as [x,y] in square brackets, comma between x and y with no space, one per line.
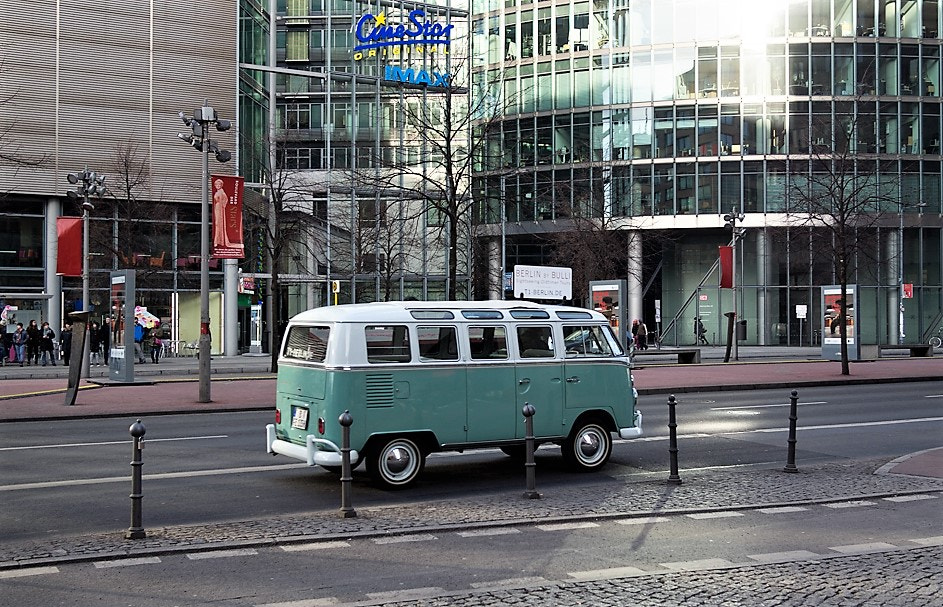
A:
[227,216]
[69,259]
[726,267]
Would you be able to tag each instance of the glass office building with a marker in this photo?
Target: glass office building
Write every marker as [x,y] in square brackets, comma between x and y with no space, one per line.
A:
[660,116]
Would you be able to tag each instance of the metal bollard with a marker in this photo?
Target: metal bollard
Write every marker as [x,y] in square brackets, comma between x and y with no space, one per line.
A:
[791,441]
[136,530]
[529,464]
[673,478]
[347,511]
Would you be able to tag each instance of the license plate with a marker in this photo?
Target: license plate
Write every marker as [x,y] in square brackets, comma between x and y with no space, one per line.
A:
[299,418]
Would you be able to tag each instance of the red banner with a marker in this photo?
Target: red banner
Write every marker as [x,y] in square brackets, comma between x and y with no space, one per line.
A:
[69,259]
[227,216]
[726,267]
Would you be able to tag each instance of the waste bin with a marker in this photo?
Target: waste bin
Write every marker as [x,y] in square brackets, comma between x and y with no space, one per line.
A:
[741,330]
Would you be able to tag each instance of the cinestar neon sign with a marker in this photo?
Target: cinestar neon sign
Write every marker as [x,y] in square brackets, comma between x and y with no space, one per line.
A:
[417,32]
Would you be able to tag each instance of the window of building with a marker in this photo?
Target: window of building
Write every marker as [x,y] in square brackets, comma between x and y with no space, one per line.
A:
[296,45]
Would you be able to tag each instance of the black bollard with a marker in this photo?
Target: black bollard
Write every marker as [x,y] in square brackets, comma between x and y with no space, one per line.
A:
[347,511]
[136,530]
[529,464]
[793,416]
[673,478]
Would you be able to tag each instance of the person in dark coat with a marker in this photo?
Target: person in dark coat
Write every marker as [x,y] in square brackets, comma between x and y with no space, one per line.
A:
[65,343]
[32,343]
[94,345]
[47,347]
[105,339]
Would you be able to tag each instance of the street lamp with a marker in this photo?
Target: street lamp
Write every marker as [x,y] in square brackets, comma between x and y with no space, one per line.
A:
[199,124]
[731,220]
[900,266]
[87,184]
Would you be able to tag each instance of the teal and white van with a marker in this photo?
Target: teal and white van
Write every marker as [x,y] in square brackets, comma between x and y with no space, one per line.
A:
[419,377]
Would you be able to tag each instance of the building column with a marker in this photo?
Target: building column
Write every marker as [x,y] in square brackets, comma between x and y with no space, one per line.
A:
[762,273]
[894,250]
[633,278]
[53,282]
[230,307]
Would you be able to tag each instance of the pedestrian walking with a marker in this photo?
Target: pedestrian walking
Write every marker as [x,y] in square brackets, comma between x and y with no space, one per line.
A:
[139,342]
[642,335]
[19,344]
[65,343]
[32,343]
[700,332]
[94,345]
[6,343]
[105,339]
[157,345]
[46,345]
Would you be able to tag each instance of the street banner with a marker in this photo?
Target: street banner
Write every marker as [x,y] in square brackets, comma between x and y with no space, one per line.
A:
[227,216]
[69,259]
[726,267]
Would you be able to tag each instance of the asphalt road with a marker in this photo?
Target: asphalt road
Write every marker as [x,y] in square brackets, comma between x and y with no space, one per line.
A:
[71,477]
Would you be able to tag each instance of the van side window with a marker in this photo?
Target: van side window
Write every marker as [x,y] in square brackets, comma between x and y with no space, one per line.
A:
[437,343]
[534,342]
[488,343]
[387,344]
[585,341]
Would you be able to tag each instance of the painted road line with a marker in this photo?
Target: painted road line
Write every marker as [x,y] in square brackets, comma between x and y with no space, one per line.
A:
[315,546]
[110,443]
[851,504]
[147,560]
[28,571]
[783,557]
[606,574]
[567,526]
[402,539]
[929,541]
[813,402]
[910,498]
[517,582]
[697,564]
[487,532]
[709,515]
[645,520]
[863,548]
[221,554]
[781,509]
[322,602]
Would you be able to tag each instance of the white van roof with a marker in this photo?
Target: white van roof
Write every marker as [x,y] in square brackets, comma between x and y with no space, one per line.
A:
[400,311]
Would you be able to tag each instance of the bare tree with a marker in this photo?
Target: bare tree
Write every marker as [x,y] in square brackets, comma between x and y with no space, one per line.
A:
[842,198]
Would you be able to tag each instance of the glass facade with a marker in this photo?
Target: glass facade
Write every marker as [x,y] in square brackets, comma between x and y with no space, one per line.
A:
[666,114]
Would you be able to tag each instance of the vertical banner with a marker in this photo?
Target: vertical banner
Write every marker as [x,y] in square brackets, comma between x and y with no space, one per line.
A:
[227,216]
[69,259]
[726,267]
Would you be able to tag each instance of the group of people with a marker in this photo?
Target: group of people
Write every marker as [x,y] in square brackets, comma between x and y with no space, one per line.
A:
[34,344]
[640,334]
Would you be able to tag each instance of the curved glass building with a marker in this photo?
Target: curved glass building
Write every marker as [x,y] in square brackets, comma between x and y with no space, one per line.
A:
[657,117]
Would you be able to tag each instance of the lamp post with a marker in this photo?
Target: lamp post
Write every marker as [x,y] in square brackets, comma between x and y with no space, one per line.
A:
[87,184]
[731,220]
[900,265]
[199,124]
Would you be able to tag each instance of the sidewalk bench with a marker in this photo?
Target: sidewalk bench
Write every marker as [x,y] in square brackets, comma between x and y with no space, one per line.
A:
[691,356]
[916,350]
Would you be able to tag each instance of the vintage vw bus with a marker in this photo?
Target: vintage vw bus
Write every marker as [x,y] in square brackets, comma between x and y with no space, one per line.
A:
[419,377]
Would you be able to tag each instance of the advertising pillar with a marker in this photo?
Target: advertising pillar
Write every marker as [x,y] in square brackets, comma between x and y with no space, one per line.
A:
[833,303]
[121,360]
[608,297]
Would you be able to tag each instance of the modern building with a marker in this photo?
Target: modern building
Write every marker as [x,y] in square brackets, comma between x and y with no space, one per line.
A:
[99,86]
[655,118]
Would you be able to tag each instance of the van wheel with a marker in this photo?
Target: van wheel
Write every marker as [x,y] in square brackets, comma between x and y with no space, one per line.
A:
[588,447]
[396,463]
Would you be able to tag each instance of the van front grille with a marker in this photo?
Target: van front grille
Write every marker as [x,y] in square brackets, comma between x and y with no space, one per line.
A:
[379,389]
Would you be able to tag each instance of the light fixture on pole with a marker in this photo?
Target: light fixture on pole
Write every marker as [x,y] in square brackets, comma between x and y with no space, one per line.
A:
[88,183]
[731,220]
[900,266]
[199,124]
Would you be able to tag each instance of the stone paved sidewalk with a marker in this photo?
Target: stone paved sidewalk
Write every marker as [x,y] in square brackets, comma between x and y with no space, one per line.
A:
[625,496]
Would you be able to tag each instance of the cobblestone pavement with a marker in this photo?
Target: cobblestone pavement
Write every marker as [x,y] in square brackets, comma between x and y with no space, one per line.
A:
[629,495]
[902,578]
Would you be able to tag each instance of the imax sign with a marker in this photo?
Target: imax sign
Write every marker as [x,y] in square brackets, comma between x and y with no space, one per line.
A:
[411,76]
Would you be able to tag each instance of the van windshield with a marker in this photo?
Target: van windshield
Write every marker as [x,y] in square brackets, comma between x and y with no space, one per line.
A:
[307,343]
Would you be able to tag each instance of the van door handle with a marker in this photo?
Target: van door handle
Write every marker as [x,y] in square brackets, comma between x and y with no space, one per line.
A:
[573,380]
[524,381]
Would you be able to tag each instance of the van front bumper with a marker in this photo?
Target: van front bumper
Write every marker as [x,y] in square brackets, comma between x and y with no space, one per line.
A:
[635,431]
[316,452]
